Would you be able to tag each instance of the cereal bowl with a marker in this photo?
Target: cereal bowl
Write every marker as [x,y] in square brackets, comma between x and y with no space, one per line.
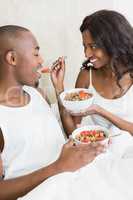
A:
[91,133]
[76,100]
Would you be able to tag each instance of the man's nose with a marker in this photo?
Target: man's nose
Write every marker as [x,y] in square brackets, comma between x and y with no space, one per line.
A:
[40,59]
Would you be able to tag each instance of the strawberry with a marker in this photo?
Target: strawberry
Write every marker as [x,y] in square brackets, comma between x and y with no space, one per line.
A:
[45,70]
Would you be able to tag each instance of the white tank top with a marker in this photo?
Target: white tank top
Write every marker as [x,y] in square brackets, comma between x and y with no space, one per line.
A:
[32,136]
[122,107]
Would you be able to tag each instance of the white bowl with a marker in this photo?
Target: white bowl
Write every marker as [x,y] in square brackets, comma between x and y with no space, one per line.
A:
[88,128]
[76,106]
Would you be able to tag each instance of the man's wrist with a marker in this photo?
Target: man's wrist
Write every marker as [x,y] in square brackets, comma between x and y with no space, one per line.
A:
[59,166]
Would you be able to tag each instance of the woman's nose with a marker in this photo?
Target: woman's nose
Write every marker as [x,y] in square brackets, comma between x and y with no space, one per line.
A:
[88,52]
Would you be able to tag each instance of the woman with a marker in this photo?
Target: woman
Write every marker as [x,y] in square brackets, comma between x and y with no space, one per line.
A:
[107,72]
[108,47]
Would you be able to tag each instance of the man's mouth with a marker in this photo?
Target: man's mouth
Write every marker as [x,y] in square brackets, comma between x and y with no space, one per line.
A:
[44,70]
[36,71]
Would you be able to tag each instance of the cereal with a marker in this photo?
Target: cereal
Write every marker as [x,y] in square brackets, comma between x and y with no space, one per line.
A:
[90,136]
[77,96]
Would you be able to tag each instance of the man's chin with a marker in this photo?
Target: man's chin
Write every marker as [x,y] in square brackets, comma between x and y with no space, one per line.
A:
[36,84]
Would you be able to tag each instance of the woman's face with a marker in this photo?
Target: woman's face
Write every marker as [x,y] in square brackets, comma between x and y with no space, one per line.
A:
[97,56]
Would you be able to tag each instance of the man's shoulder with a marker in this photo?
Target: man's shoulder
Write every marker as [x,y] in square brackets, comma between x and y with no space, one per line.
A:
[42,92]
[38,91]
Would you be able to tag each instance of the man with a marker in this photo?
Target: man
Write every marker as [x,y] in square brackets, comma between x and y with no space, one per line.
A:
[30,137]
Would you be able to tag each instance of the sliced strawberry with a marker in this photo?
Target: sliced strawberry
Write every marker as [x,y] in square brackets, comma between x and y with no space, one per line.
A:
[82,94]
[45,70]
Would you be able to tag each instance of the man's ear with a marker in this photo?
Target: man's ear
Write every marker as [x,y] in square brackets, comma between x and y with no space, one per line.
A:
[11,57]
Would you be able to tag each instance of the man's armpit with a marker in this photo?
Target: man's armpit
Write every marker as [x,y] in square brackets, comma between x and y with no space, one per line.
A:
[1,141]
[44,95]
[1,168]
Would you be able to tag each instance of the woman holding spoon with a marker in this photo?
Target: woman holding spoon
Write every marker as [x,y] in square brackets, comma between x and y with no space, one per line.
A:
[107,40]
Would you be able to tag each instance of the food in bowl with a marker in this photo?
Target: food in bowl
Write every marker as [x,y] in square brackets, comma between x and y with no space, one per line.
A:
[78,96]
[90,136]
[77,99]
[92,133]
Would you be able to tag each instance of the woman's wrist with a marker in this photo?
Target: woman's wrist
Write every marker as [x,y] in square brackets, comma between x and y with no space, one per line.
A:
[104,113]
[100,111]
[59,90]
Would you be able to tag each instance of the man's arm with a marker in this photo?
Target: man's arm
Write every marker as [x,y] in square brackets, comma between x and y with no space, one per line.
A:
[13,188]
[70,159]
[1,168]
[1,149]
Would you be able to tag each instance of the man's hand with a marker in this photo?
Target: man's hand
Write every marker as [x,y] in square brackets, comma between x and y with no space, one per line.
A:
[74,157]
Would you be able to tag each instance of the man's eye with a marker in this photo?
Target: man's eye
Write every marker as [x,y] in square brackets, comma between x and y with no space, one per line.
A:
[36,54]
[85,47]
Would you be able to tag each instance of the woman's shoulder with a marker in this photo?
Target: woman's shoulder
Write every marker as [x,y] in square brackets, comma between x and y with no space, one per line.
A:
[83,78]
[86,76]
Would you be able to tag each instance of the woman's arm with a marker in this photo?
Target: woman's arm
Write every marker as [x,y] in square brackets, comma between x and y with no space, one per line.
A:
[95,109]
[70,122]
[57,77]
[117,121]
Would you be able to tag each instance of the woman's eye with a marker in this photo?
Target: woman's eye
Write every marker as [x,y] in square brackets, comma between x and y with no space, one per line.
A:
[93,46]
[36,54]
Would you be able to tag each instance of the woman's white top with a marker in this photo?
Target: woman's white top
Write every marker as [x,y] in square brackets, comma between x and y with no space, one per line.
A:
[122,107]
[32,136]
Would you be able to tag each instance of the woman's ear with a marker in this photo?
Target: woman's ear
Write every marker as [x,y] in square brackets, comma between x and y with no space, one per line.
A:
[11,57]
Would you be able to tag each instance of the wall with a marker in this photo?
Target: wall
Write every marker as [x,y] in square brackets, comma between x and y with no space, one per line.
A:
[56,24]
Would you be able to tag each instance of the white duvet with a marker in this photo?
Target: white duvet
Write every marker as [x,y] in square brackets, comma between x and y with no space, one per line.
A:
[108,177]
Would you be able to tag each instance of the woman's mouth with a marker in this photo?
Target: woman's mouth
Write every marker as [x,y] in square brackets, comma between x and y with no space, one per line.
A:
[93,60]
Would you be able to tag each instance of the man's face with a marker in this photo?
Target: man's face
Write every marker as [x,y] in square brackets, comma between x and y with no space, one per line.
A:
[28,60]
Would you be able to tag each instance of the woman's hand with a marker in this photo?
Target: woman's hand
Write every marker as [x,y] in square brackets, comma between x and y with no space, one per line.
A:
[57,74]
[93,109]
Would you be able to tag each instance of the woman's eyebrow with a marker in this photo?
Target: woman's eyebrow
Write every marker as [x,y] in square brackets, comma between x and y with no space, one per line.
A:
[90,43]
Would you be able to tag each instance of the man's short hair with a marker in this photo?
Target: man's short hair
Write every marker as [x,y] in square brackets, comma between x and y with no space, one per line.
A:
[12,29]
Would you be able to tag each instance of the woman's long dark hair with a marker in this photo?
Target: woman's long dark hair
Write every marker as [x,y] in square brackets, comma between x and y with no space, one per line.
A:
[112,32]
